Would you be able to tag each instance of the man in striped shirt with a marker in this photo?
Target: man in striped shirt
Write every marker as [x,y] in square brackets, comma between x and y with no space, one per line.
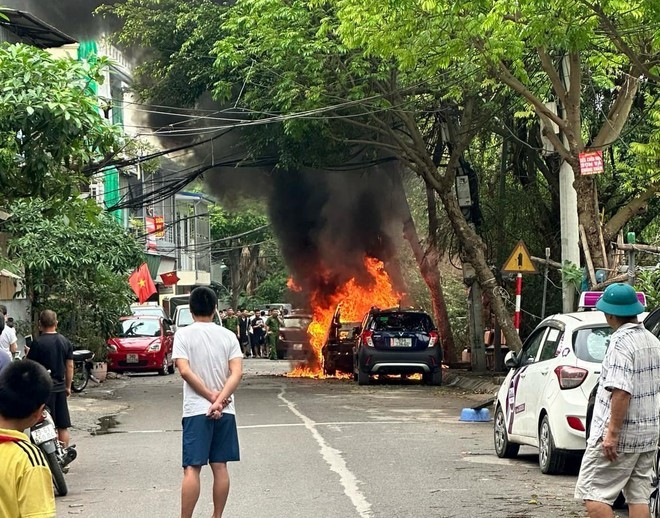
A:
[26,488]
[622,444]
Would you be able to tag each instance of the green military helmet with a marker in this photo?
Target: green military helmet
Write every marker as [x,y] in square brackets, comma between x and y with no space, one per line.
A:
[620,300]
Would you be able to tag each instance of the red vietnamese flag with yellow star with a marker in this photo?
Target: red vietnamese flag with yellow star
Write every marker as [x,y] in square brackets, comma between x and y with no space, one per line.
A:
[142,284]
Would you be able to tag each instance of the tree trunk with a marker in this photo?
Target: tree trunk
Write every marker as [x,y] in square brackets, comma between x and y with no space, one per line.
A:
[474,249]
[588,215]
[428,264]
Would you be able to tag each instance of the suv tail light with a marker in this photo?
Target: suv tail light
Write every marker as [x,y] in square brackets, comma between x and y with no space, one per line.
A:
[367,338]
[570,377]
[433,338]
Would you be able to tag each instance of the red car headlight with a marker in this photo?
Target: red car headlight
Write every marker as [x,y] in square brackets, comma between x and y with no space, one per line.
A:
[154,347]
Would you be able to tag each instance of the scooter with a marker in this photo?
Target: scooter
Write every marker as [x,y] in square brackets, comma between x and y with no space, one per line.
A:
[44,435]
[82,369]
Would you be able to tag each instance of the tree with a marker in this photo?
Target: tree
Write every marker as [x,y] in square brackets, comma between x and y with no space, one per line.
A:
[65,262]
[559,50]
[237,239]
[293,63]
[50,127]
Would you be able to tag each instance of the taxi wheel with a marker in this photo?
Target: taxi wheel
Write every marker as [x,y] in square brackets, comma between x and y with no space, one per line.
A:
[503,448]
[551,461]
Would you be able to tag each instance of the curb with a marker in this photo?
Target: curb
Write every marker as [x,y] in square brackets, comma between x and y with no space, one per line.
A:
[485,384]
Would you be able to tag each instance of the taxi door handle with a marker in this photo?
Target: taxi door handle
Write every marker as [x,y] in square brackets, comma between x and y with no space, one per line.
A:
[545,371]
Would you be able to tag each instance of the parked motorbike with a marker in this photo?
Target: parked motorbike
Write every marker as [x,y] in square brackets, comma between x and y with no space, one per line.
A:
[82,369]
[44,435]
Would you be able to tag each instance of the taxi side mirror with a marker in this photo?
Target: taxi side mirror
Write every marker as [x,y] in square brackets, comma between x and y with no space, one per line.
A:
[510,360]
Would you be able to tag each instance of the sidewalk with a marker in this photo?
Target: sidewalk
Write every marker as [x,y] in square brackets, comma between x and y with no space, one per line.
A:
[477,382]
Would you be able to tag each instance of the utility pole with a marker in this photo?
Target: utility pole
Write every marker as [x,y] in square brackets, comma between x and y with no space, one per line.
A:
[570,251]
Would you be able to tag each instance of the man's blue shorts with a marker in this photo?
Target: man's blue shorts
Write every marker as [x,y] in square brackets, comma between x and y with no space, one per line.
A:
[208,440]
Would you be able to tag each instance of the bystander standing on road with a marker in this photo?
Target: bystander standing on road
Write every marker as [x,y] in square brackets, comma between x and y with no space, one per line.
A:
[231,322]
[8,339]
[243,336]
[26,487]
[210,361]
[273,324]
[623,441]
[258,326]
[55,353]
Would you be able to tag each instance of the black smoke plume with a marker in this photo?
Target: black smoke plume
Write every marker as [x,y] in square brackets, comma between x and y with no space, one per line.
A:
[326,221]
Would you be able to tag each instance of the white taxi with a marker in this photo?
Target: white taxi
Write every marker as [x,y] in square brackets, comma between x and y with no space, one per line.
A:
[543,400]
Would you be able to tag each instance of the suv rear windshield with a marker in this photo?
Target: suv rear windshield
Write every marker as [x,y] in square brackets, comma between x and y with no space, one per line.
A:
[297,322]
[402,321]
[590,344]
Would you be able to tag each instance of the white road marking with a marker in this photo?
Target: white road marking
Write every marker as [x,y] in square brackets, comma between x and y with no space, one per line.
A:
[329,424]
[335,461]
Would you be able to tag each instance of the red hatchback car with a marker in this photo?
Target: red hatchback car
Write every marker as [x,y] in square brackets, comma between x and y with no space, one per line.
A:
[141,344]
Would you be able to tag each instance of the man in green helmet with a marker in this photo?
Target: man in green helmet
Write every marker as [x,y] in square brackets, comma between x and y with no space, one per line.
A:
[623,440]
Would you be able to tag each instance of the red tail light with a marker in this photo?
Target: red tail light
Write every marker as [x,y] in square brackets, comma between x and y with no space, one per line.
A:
[367,338]
[575,423]
[570,377]
[433,338]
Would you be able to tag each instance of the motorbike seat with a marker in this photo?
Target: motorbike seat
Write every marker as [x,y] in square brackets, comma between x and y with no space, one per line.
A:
[81,355]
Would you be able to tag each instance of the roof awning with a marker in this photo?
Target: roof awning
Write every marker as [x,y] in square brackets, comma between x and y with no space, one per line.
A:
[7,273]
[32,30]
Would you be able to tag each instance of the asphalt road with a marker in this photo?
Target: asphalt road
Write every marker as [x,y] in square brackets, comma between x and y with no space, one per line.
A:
[309,448]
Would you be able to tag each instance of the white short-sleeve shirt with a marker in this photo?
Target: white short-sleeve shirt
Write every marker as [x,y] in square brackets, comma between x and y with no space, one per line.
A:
[7,338]
[208,348]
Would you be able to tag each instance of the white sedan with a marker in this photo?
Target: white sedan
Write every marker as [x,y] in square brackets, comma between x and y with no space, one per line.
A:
[543,400]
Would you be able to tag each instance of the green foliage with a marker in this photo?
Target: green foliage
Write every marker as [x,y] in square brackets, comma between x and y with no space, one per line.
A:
[50,127]
[271,289]
[648,281]
[225,224]
[179,36]
[573,274]
[77,262]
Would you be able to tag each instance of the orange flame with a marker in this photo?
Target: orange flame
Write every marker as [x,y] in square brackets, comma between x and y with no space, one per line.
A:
[356,301]
[291,284]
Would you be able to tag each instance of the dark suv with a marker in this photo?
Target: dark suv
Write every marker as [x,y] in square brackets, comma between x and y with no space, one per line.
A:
[398,341]
[338,348]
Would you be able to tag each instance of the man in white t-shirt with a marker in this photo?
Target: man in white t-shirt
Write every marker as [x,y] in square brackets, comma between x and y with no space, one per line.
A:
[8,340]
[210,361]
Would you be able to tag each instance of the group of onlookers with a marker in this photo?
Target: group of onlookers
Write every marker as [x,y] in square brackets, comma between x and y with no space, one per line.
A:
[256,332]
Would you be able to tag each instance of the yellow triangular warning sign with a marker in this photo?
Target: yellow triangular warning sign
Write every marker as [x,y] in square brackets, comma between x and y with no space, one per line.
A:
[519,261]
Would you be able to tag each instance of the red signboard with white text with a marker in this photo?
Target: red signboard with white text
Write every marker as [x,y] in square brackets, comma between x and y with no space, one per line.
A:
[591,162]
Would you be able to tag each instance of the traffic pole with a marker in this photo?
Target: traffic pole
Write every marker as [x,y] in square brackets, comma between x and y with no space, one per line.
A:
[516,316]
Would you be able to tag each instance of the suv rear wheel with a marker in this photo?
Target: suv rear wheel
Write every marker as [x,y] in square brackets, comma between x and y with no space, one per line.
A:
[433,378]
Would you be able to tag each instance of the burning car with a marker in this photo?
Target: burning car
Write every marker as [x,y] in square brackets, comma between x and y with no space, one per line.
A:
[398,341]
[338,348]
[294,341]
